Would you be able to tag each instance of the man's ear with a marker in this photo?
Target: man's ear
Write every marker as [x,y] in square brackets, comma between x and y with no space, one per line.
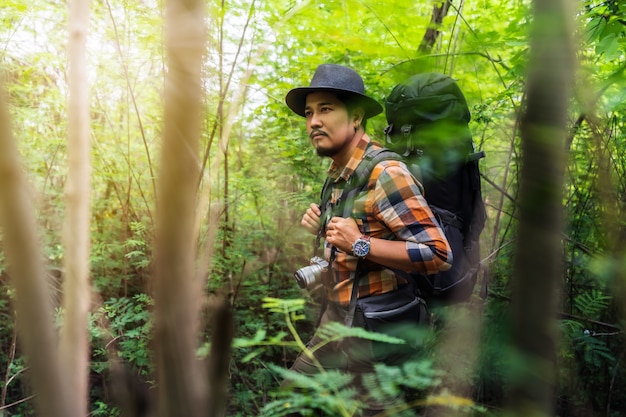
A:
[357,115]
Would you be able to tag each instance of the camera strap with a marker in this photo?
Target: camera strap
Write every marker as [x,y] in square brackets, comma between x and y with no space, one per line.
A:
[354,294]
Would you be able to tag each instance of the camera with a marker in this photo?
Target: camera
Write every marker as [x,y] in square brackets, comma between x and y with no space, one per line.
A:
[311,275]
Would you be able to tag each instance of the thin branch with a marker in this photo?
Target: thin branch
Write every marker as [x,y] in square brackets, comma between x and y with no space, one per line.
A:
[223,91]
[18,402]
[500,189]
[387,29]
[573,317]
[11,358]
[132,96]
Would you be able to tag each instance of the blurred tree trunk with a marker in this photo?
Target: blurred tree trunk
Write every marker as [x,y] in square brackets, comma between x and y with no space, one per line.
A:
[538,259]
[74,343]
[182,385]
[33,298]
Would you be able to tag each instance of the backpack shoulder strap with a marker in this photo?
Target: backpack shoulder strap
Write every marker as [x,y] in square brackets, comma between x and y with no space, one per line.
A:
[360,177]
[372,158]
[356,184]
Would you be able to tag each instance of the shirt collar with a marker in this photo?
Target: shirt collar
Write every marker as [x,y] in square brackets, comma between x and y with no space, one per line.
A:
[336,172]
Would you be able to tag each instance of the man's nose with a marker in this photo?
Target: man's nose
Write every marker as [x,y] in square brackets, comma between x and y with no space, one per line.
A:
[315,121]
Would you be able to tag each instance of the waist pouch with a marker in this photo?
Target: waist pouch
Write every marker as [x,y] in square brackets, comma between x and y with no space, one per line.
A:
[403,306]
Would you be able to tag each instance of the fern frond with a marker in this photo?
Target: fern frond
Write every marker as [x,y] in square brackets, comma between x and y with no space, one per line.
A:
[329,391]
[278,305]
[592,303]
[327,380]
[334,331]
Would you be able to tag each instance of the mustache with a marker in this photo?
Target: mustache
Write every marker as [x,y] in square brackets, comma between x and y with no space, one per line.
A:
[317,132]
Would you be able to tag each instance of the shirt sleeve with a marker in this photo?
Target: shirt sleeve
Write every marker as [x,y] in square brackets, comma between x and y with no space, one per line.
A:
[401,206]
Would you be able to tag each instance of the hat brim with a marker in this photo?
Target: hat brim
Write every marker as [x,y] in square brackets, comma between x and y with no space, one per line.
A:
[296,100]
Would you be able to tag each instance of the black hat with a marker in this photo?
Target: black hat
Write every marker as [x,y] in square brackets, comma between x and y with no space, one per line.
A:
[338,79]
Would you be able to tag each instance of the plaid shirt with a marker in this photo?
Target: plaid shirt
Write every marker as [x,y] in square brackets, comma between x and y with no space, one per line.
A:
[392,208]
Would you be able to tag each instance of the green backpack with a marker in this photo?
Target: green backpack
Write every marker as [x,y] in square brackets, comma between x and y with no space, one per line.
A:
[428,120]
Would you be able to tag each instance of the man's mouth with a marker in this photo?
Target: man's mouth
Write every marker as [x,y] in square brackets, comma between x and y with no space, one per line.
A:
[316,134]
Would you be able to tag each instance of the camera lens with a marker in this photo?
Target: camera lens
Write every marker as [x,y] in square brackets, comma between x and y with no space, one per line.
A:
[307,275]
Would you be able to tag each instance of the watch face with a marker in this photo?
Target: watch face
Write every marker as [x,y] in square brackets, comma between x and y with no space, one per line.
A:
[361,248]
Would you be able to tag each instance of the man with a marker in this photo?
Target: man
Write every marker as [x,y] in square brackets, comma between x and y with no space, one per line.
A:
[390,230]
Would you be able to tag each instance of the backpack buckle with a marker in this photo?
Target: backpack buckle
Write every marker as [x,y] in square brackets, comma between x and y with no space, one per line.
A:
[406,130]
[387,132]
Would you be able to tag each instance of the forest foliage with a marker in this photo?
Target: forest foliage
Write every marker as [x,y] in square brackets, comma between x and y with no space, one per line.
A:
[258,174]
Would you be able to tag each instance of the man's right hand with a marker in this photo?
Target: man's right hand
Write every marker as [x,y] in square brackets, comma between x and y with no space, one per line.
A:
[311,219]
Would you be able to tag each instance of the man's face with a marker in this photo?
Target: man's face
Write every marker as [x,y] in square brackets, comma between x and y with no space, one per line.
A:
[328,123]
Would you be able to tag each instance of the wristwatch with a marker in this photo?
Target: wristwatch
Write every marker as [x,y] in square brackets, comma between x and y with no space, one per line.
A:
[361,246]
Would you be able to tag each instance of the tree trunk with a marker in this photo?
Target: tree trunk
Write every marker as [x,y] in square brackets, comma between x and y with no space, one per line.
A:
[182,387]
[33,299]
[74,344]
[538,260]
[440,10]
